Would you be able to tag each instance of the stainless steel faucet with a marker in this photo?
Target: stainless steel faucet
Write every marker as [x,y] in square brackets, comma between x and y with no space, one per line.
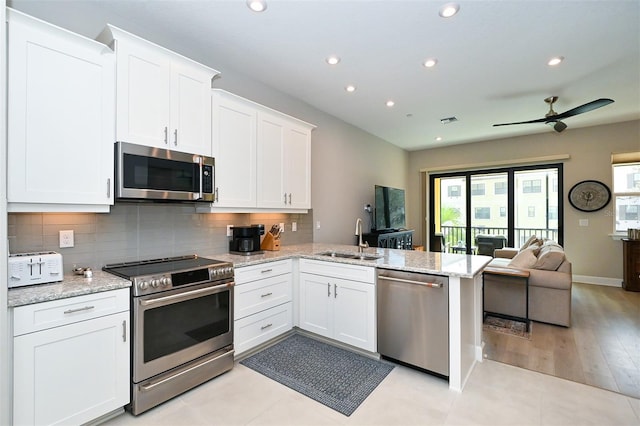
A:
[361,245]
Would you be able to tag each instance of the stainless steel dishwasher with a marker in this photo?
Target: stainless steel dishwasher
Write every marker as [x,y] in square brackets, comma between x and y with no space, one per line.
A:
[413,319]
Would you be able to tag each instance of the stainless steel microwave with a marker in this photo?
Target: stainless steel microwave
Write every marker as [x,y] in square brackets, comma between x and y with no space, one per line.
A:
[147,173]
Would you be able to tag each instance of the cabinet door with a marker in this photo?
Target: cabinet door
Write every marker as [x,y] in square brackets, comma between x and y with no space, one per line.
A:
[297,163]
[234,148]
[316,304]
[270,161]
[190,129]
[60,116]
[72,374]
[143,95]
[354,313]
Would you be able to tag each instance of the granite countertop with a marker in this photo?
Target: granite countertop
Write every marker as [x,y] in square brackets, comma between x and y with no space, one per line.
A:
[449,264]
[458,265]
[72,285]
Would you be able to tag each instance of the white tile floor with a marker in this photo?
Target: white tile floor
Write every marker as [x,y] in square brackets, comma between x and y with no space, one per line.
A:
[496,394]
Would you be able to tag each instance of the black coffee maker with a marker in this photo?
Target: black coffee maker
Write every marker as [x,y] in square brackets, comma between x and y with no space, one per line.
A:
[246,239]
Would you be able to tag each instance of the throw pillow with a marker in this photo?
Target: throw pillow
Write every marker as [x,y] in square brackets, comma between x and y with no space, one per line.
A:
[525,259]
[532,240]
[549,260]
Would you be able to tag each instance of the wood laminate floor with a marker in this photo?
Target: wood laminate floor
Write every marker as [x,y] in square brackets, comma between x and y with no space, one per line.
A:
[601,348]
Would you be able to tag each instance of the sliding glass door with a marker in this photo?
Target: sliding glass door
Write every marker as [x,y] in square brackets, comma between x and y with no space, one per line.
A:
[477,211]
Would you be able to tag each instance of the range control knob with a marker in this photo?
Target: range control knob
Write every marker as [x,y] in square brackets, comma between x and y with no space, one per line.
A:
[165,281]
[155,283]
[142,285]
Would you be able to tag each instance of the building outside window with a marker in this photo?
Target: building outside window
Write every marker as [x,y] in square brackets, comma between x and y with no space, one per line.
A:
[503,211]
[626,192]
[532,186]
[482,213]
[500,188]
[531,212]
[477,189]
[453,191]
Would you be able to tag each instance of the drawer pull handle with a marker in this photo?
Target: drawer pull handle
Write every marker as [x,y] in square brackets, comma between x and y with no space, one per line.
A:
[73,311]
[266,295]
[264,271]
[265,326]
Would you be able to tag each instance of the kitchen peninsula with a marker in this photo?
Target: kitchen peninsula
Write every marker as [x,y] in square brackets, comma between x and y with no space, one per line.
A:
[465,289]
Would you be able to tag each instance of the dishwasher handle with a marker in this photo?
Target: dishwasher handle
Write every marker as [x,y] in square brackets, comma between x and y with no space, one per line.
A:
[401,280]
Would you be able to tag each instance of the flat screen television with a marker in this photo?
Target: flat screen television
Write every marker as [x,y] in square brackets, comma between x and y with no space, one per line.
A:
[389,213]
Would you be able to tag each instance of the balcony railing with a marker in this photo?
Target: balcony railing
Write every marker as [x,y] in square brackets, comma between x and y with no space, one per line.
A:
[455,236]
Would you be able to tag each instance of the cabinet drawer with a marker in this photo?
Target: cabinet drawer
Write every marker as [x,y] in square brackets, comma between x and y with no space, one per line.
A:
[338,270]
[253,330]
[262,294]
[247,274]
[41,316]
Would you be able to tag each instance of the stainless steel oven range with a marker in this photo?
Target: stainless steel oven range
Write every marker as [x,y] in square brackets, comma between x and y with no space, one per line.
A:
[182,325]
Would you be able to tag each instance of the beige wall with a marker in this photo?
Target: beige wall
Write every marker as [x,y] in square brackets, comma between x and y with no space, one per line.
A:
[591,250]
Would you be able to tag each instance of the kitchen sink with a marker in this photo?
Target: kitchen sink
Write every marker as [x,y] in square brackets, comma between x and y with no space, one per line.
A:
[356,256]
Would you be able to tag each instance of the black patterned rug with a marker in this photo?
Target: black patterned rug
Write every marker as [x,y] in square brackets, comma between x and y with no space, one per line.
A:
[333,376]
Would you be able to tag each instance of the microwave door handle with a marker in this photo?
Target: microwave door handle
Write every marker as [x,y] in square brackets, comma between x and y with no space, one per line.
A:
[201,191]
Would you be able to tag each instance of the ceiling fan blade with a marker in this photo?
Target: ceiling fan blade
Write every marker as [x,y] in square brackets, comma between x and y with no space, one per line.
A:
[589,106]
[539,120]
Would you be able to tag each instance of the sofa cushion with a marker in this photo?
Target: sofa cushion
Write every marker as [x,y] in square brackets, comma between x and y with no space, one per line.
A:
[549,259]
[524,259]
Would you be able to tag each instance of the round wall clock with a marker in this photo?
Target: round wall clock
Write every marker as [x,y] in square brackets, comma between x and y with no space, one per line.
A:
[589,195]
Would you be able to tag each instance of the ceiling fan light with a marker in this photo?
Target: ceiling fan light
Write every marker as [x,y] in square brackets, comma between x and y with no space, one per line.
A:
[448,10]
[390,103]
[350,88]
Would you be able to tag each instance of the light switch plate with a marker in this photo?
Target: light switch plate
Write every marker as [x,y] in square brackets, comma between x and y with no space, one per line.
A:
[583,222]
[294,226]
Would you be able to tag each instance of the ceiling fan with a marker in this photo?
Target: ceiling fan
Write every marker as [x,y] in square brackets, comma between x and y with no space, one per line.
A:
[552,118]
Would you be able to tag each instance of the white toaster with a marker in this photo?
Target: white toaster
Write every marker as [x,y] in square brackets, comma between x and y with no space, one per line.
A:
[34,268]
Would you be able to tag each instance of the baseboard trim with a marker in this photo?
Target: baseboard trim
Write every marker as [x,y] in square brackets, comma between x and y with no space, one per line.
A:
[586,279]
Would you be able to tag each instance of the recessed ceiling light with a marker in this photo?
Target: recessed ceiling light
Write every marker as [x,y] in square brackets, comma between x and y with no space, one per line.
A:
[438,138]
[555,61]
[257,5]
[332,60]
[449,9]
[350,88]
[430,62]
[390,103]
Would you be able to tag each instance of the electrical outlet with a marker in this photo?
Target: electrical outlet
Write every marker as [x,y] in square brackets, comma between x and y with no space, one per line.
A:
[66,238]
[281,226]
[317,224]
[229,231]
[294,226]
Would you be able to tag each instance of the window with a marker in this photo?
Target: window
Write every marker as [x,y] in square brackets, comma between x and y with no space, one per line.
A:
[454,191]
[477,189]
[553,213]
[482,213]
[532,186]
[626,194]
[500,188]
[531,211]
[503,212]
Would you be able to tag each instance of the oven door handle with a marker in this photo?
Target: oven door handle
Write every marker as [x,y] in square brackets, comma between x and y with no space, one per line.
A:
[184,296]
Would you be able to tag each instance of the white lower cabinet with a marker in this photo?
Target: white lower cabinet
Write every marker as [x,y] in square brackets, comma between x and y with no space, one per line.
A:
[262,304]
[71,359]
[338,301]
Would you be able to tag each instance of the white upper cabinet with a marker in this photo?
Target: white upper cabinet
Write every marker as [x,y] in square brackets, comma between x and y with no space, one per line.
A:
[61,114]
[163,98]
[263,157]
[234,148]
[284,163]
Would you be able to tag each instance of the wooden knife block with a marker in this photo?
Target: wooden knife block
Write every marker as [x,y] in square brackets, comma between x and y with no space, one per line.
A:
[270,243]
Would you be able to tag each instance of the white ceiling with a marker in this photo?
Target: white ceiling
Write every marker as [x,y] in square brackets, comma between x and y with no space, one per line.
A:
[491,57]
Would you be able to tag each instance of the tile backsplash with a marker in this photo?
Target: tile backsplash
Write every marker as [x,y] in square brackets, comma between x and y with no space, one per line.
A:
[136,231]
